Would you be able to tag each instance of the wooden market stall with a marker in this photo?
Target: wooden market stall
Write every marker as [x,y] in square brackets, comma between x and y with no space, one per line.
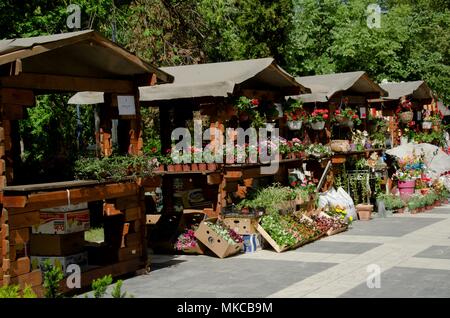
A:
[40,221]
[337,93]
[209,91]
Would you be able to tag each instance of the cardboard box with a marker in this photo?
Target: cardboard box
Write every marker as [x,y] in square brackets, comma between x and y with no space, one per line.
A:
[63,262]
[242,226]
[56,244]
[62,222]
[252,243]
[270,240]
[214,242]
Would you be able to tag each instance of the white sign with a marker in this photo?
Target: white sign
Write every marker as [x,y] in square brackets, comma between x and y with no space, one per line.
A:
[126,105]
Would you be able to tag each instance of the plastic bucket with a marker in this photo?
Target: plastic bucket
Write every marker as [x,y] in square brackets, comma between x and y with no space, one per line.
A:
[406,188]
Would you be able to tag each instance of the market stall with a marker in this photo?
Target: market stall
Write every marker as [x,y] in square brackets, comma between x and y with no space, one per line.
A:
[47,221]
[356,134]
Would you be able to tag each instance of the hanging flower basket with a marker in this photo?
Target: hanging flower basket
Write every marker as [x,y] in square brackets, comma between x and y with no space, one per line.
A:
[295,124]
[406,117]
[427,125]
[343,121]
[318,125]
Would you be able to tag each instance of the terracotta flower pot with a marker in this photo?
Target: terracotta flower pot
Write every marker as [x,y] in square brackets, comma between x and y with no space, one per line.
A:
[186,167]
[401,210]
[194,167]
[160,168]
[178,167]
[171,168]
[212,166]
[364,215]
[202,166]
[445,201]
[428,207]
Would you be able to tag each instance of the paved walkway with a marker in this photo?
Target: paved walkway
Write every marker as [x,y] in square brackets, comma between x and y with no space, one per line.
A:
[411,251]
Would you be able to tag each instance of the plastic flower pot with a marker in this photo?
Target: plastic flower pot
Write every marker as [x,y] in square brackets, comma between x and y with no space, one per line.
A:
[406,117]
[186,167]
[427,125]
[406,188]
[194,167]
[294,124]
[212,166]
[171,168]
[178,167]
[202,166]
[318,125]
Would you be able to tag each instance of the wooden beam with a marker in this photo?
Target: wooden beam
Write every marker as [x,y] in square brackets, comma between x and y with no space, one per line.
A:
[67,83]
[22,97]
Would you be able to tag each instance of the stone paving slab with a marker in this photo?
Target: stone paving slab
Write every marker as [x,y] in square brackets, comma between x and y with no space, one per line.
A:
[393,226]
[338,247]
[435,252]
[231,277]
[406,282]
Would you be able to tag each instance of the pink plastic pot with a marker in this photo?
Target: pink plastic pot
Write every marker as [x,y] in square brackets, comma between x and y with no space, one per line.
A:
[406,188]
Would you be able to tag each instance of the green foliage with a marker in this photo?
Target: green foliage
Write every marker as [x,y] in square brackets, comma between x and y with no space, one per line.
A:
[117,290]
[114,167]
[13,291]
[100,285]
[53,275]
[391,202]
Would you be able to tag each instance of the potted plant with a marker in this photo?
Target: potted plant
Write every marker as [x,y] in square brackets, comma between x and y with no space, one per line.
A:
[404,111]
[318,151]
[346,117]
[247,108]
[317,119]
[294,114]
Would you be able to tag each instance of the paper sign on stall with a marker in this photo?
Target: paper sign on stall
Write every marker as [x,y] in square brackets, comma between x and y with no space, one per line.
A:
[126,105]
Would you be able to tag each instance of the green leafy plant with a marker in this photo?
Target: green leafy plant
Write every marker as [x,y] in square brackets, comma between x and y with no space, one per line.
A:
[13,291]
[346,114]
[293,110]
[53,275]
[117,290]
[100,285]
[115,167]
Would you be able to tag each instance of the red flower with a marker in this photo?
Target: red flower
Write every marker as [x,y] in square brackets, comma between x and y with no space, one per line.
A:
[355,116]
[255,102]
[363,115]
[337,111]
[154,149]
[325,116]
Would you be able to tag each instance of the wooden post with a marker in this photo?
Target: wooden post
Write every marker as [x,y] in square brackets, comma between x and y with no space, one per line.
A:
[106,126]
[5,249]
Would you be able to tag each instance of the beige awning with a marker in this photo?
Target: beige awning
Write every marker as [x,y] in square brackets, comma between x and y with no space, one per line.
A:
[84,54]
[323,87]
[415,89]
[215,80]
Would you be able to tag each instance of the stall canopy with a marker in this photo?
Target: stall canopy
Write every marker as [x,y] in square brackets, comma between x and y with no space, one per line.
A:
[213,80]
[74,61]
[323,87]
[416,90]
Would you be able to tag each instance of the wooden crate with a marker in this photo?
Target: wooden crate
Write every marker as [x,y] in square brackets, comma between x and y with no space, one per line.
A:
[269,240]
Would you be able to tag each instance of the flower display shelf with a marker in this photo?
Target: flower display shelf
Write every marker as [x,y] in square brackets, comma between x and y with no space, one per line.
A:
[336,231]
[266,236]
[302,243]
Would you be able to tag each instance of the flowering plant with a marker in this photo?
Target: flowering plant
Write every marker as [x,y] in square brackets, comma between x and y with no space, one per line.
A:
[410,167]
[187,239]
[226,233]
[404,106]
[245,104]
[347,113]
[318,150]
[294,111]
[318,115]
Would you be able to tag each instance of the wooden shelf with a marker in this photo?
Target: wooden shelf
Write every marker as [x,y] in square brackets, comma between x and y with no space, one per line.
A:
[163,173]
